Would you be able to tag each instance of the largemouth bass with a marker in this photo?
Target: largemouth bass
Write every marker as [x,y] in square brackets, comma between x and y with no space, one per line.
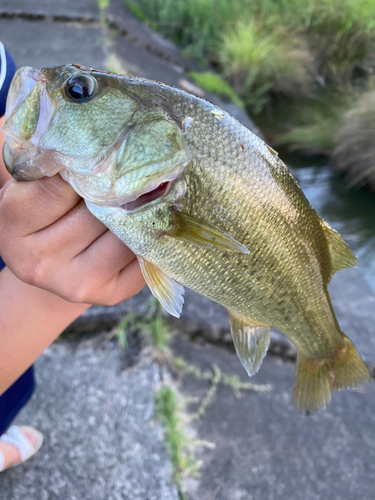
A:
[201,201]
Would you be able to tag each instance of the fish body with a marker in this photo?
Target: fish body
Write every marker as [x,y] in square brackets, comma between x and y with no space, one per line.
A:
[201,201]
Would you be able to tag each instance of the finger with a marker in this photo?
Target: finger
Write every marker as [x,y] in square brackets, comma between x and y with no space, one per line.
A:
[84,278]
[122,286]
[105,258]
[27,207]
[69,236]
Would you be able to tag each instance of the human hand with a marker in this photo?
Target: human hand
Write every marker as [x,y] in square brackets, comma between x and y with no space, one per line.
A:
[49,239]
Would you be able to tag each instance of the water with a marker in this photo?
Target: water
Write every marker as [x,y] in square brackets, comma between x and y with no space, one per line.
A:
[350,212]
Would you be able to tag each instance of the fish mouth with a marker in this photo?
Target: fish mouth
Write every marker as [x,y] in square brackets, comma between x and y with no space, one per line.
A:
[29,112]
[146,198]
[24,81]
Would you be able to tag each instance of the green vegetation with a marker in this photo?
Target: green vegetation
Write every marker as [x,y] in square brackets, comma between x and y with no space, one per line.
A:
[154,328]
[175,438]
[215,83]
[354,151]
[158,331]
[136,10]
[301,53]
[102,4]
[121,333]
[171,407]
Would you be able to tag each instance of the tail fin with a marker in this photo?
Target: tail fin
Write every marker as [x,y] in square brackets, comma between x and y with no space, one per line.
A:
[317,379]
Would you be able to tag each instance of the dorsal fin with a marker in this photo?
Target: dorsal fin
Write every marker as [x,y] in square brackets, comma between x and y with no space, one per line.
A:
[341,255]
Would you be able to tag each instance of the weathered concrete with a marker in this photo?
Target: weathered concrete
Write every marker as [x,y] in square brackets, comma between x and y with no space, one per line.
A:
[73,9]
[140,35]
[49,43]
[264,450]
[101,439]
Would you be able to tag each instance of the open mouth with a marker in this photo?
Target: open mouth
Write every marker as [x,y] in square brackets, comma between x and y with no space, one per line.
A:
[146,198]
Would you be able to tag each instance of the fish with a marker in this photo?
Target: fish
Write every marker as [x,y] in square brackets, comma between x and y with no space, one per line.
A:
[201,201]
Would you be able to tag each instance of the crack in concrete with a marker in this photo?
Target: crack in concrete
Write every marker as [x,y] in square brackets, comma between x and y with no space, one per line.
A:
[148,48]
[84,21]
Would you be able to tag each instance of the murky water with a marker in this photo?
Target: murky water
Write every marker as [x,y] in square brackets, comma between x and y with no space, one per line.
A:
[350,212]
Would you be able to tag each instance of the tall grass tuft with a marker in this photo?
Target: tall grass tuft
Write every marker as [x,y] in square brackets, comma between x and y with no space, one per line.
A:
[354,152]
[257,59]
[194,24]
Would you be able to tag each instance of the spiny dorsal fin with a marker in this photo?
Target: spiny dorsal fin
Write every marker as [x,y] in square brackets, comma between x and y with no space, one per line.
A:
[251,342]
[188,228]
[169,293]
[341,255]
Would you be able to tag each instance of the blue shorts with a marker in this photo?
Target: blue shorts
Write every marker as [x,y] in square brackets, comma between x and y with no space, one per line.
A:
[19,393]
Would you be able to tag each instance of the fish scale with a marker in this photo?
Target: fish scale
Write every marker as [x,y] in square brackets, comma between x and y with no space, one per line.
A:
[202,202]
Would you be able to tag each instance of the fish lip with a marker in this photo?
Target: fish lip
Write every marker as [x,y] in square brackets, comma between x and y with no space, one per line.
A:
[21,157]
[22,84]
[147,197]
[117,200]
[20,173]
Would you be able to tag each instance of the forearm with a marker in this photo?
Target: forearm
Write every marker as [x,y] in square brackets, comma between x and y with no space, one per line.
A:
[30,320]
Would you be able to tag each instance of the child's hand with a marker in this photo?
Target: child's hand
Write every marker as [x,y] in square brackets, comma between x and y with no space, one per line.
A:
[49,239]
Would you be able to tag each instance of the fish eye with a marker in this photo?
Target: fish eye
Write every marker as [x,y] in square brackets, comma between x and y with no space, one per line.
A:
[80,88]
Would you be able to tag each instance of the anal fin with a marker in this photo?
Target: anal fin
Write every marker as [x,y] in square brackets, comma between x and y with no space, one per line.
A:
[188,228]
[250,340]
[341,255]
[169,293]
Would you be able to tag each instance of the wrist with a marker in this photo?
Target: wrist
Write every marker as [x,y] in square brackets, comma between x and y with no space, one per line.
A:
[30,320]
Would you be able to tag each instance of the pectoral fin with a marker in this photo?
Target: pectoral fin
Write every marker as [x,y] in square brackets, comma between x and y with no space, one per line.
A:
[251,342]
[193,230]
[169,293]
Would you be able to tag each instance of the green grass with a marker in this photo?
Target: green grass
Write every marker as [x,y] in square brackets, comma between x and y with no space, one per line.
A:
[175,438]
[269,51]
[214,83]
[354,151]
[152,325]
[158,331]
[256,60]
[136,10]
[102,4]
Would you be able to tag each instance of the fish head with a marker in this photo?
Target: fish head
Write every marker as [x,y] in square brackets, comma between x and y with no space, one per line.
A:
[107,135]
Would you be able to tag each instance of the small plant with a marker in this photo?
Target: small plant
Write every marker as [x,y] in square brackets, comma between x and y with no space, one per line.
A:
[215,376]
[158,331]
[136,10]
[102,4]
[121,333]
[175,438]
[152,325]
[214,83]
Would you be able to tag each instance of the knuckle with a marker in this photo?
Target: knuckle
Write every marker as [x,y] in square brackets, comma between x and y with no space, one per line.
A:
[111,300]
[78,294]
[108,297]
[54,190]
[33,273]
